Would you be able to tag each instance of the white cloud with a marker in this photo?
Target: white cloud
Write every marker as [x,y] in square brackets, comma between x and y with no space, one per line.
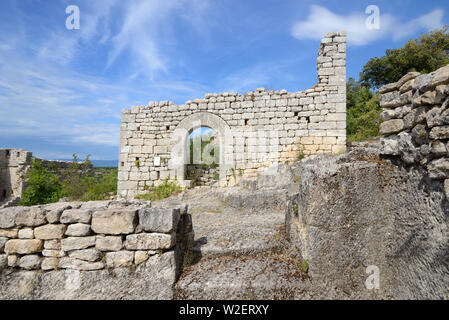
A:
[322,20]
[147,28]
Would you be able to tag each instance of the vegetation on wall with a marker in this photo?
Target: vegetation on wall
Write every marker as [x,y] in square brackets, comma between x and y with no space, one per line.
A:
[162,191]
[424,54]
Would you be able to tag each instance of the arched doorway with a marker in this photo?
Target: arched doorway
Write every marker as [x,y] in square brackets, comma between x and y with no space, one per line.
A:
[204,157]
[180,154]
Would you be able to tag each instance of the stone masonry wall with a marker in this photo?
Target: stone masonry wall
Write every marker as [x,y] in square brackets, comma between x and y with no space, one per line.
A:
[56,241]
[416,122]
[266,126]
[202,175]
[13,166]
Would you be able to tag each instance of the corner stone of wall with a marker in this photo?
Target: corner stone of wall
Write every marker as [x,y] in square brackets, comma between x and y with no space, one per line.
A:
[307,122]
[416,122]
[92,250]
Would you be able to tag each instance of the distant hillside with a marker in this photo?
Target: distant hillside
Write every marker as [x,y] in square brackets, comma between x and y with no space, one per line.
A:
[99,163]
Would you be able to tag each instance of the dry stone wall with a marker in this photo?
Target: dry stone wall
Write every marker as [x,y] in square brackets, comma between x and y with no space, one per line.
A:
[55,240]
[254,130]
[416,122]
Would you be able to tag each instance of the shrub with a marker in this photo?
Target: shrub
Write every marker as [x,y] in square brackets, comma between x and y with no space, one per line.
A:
[42,186]
[363,112]
[101,188]
[162,191]
[73,181]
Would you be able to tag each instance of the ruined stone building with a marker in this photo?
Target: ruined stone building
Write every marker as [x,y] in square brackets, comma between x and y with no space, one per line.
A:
[13,165]
[254,130]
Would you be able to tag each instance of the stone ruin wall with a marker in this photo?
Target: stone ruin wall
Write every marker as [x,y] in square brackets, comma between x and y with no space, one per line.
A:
[267,127]
[416,122]
[14,164]
[75,250]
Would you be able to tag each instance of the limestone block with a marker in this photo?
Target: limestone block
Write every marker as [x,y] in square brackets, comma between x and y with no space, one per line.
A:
[389,145]
[53,253]
[52,244]
[114,221]
[23,246]
[391,126]
[78,230]
[387,115]
[109,243]
[428,98]
[437,116]
[8,217]
[415,116]
[53,211]
[149,241]
[13,260]
[30,262]
[119,259]
[76,216]
[390,100]
[49,263]
[140,257]
[90,255]
[77,243]
[72,263]
[9,233]
[31,217]
[26,233]
[50,231]
[159,219]
[439,169]
[439,133]
[438,148]
[419,134]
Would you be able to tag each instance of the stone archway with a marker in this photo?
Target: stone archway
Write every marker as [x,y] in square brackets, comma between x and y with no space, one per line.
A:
[180,138]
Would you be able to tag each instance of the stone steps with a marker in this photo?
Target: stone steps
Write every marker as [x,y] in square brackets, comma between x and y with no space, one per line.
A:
[243,278]
[240,249]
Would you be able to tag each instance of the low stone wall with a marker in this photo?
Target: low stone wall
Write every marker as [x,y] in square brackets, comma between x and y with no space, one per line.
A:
[91,244]
[416,122]
[202,175]
[14,165]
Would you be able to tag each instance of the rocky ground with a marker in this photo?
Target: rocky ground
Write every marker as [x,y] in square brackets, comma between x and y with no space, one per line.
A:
[238,254]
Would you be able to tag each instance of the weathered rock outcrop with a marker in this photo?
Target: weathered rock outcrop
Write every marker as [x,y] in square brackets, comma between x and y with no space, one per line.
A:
[358,210]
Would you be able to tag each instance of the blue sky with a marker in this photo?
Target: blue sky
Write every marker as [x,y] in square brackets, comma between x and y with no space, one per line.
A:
[61,91]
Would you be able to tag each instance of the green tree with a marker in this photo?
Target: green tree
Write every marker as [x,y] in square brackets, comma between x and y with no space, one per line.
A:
[363,112]
[42,186]
[424,54]
[75,183]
